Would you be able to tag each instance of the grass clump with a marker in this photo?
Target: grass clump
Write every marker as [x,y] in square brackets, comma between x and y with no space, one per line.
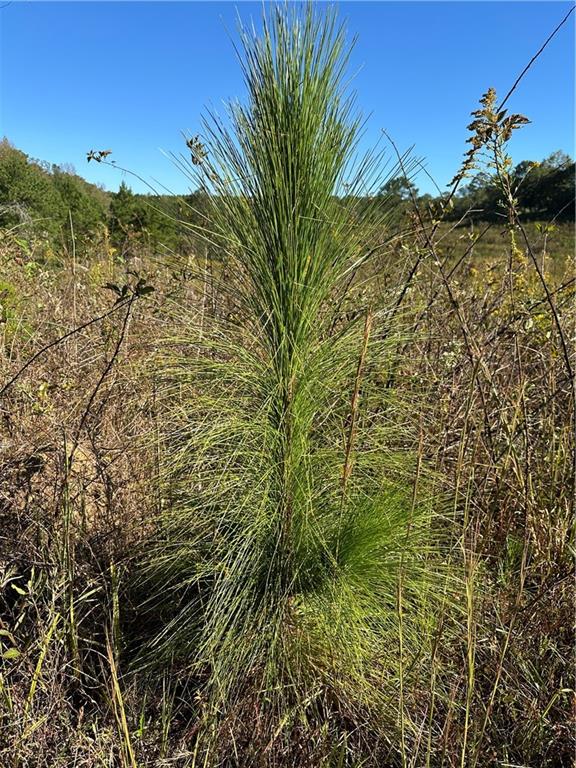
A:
[296,545]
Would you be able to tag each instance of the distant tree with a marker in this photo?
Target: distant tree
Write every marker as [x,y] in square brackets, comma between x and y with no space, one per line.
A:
[27,193]
[42,197]
[546,189]
[157,218]
[123,219]
[400,187]
[86,205]
[558,160]
[396,195]
[143,219]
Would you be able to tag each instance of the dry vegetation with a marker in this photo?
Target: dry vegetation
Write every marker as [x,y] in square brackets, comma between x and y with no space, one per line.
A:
[496,421]
[484,365]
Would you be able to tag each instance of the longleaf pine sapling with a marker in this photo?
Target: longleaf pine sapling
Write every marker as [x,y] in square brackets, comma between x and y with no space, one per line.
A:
[291,508]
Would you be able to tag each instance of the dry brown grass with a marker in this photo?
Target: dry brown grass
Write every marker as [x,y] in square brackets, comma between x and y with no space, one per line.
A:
[486,368]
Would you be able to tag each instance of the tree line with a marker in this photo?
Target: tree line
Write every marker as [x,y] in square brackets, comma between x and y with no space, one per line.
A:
[55,203]
[39,199]
[544,191]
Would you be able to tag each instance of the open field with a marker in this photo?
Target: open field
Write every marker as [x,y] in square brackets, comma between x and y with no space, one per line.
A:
[557,244]
[496,424]
[299,492]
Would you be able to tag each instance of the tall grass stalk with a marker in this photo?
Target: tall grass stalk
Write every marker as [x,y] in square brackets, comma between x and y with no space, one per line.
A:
[288,472]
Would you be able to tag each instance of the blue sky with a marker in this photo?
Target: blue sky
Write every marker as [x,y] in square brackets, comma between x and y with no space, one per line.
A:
[131,76]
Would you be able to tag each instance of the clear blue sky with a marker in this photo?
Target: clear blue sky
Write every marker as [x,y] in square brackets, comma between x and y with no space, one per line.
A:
[130,76]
